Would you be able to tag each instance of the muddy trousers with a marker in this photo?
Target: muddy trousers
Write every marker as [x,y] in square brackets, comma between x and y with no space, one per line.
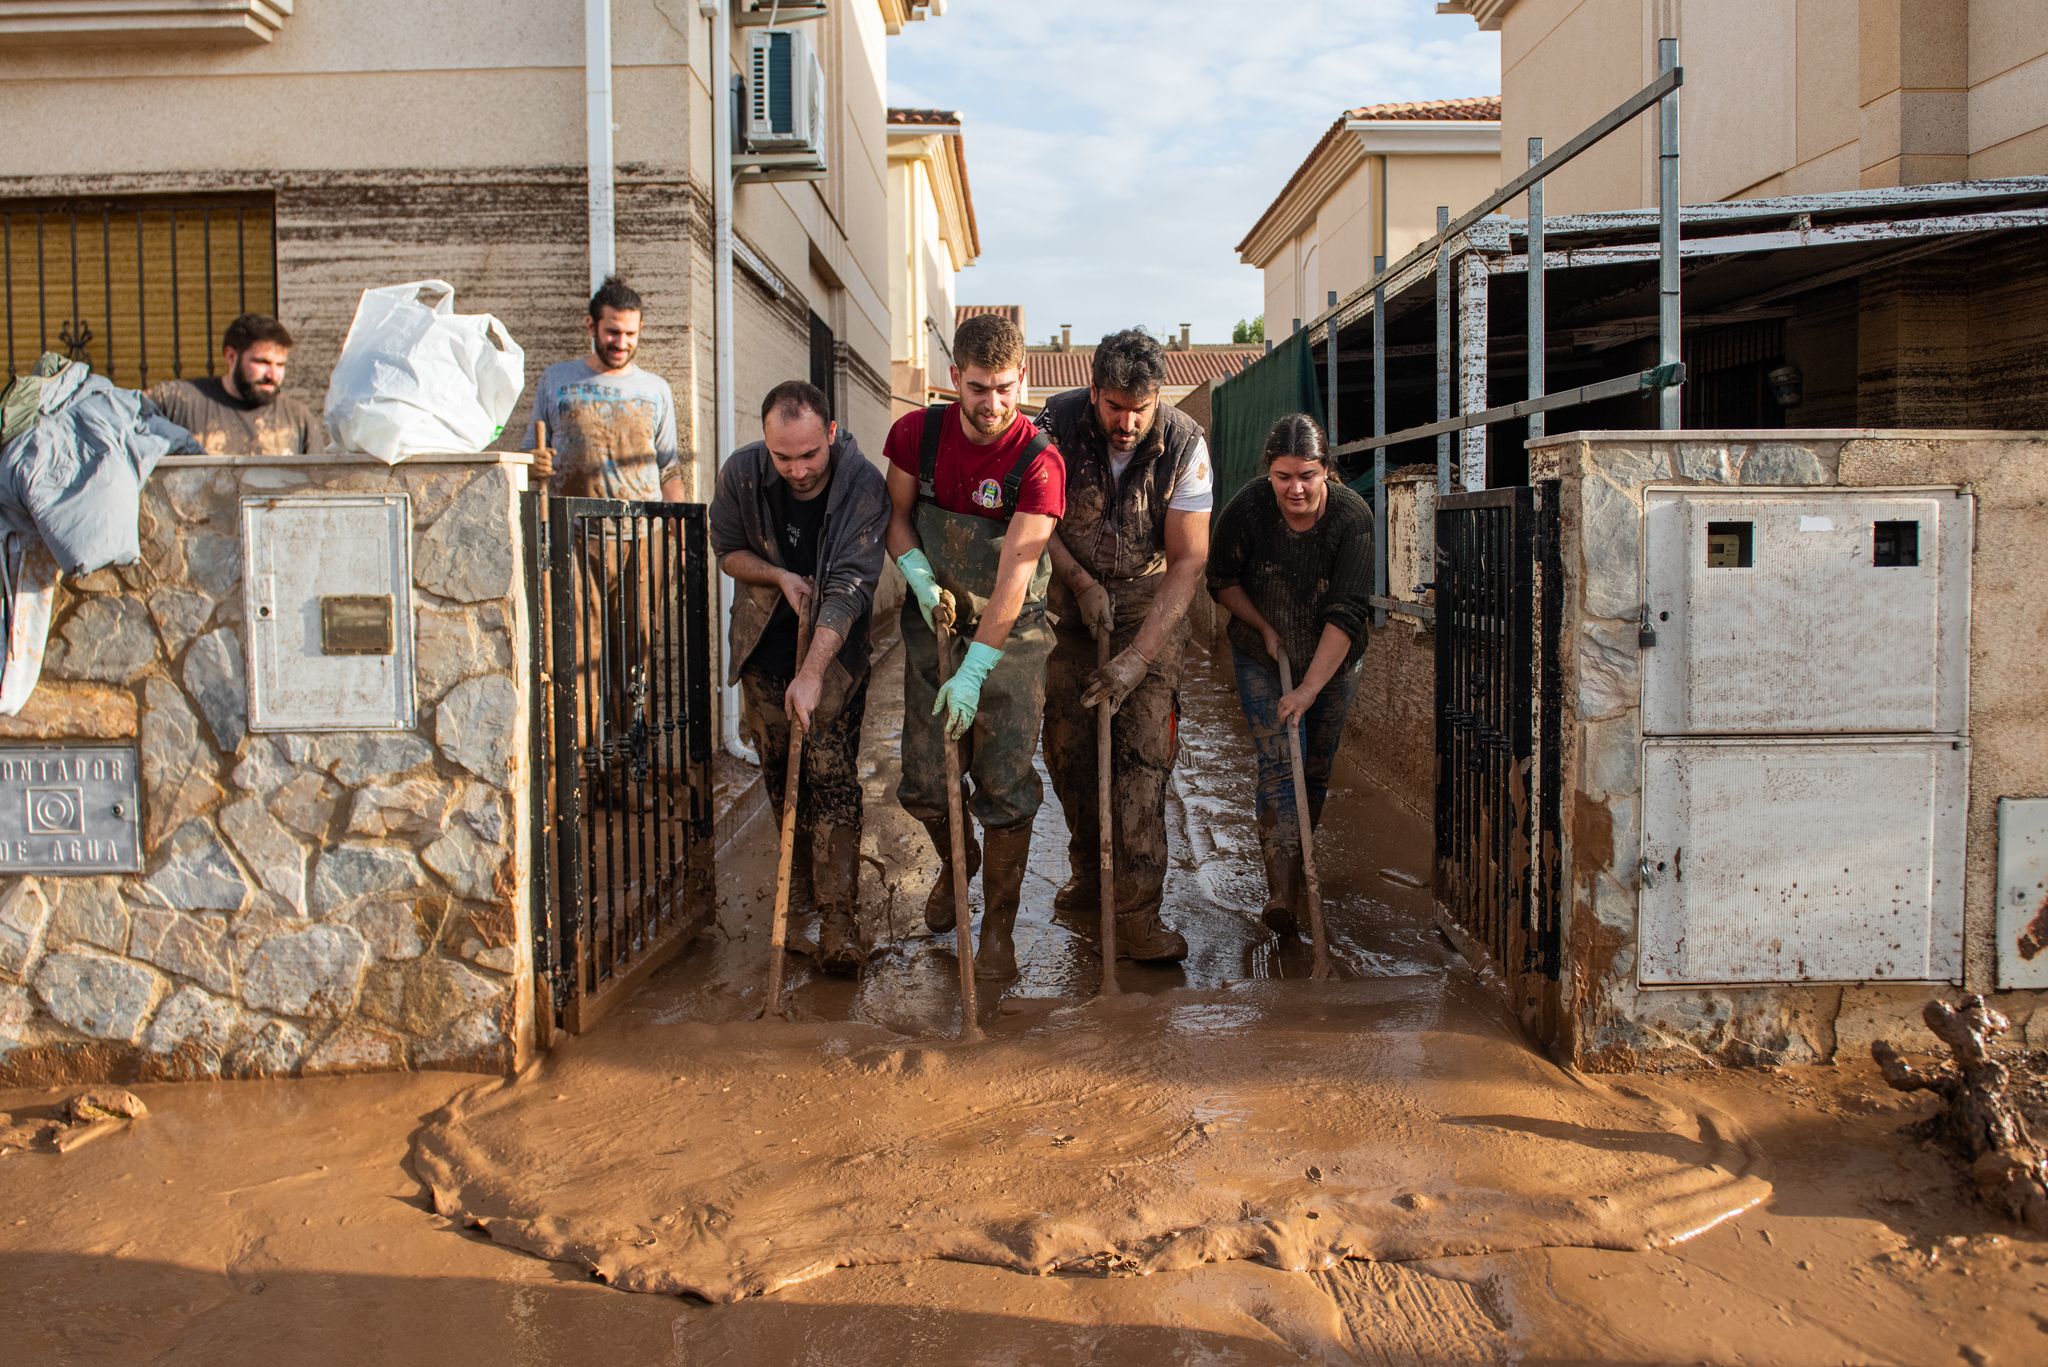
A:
[1144,736]
[828,815]
[618,667]
[1322,729]
[1000,781]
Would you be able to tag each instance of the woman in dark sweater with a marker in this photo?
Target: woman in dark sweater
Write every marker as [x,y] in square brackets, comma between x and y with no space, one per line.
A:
[1291,559]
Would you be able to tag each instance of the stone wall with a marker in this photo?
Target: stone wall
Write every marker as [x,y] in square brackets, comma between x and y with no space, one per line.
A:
[309,903]
[1609,1022]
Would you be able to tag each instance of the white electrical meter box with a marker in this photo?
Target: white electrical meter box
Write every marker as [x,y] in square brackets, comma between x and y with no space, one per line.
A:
[327,581]
[2022,892]
[1806,611]
[1821,860]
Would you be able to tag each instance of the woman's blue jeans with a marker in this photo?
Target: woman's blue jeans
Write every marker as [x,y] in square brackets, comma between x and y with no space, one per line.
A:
[1322,728]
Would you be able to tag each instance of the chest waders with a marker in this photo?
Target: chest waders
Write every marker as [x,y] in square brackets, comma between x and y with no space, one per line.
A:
[1116,528]
[1004,790]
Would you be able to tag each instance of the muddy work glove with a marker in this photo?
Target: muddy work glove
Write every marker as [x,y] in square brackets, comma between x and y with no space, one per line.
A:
[960,696]
[917,572]
[1114,681]
[1097,614]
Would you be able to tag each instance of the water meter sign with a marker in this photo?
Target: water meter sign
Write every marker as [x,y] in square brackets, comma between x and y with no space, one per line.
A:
[69,809]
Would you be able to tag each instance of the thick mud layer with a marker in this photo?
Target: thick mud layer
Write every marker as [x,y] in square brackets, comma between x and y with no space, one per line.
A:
[1296,1124]
[286,1222]
[1222,1110]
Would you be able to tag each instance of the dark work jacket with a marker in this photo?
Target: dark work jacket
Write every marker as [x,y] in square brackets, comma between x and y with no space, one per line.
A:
[1117,528]
[850,555]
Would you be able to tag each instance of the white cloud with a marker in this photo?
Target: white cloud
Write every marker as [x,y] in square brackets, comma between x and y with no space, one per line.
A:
[1119,149]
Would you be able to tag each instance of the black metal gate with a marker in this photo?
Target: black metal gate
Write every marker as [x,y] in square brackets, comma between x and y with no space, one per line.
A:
[1498,695]
[622,734]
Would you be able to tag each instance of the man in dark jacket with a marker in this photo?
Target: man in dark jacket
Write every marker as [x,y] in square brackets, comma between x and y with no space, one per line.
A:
[1126,560]
[798,522]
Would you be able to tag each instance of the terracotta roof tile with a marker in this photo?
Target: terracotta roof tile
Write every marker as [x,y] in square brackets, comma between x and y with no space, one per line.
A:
[922,117]
[1470,109]
[1013,312]
[1184,369]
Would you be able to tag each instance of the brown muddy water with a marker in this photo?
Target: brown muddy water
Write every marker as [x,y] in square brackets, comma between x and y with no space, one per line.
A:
[1229,1164]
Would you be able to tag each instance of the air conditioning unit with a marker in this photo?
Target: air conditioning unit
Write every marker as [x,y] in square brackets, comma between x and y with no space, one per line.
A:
[785,104]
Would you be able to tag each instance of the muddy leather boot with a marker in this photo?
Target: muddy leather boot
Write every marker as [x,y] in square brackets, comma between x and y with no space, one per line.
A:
[1142,936]
[1284,892]
[840,951]
[938,908]
[1002,887]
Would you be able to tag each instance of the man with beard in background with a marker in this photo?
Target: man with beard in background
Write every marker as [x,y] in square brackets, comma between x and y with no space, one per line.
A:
[610,426]
[244,411]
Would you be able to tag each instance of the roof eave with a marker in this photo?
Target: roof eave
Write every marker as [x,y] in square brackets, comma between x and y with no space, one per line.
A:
[1487,13]
[1426,137]
[1333,158]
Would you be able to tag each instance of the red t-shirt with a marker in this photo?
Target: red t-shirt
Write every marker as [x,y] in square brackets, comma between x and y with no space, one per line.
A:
[969,478]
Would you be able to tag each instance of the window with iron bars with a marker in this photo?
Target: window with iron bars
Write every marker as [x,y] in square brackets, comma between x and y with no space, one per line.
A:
[140,287]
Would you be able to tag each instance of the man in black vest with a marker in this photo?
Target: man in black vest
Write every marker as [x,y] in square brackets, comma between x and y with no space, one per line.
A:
[1126,560]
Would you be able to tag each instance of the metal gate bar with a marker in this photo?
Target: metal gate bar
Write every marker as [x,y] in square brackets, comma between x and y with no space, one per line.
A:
[1485,720]
[627,771]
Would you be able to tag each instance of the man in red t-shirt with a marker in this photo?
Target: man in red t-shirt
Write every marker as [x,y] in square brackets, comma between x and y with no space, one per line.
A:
[975,491]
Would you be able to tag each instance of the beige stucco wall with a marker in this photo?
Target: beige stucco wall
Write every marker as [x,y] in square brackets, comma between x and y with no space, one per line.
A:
[1800,96]
[1344,230]
[405,139]
[1607,1020]
[410,137]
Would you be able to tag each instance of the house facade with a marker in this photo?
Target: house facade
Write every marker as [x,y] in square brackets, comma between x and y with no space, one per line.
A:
[284,158]
[1811,96]
[1370,187]
[932,237]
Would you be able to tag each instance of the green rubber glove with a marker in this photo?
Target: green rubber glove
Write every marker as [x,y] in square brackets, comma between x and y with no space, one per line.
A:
[917,572]
[960,696]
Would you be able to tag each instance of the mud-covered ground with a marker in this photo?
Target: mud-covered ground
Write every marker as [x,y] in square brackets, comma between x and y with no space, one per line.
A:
[1228,1165]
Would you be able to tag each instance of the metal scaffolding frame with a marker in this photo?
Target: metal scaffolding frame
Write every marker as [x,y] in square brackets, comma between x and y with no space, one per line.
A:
[1461,290]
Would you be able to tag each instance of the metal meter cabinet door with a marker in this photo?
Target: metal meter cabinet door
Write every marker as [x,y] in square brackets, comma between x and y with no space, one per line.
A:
[1804,611]
[1798,861]
[328,585]
[2022,892]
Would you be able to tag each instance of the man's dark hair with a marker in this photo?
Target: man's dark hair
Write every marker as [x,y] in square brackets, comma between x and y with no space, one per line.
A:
[990,341]
[794,398]
[251,328]
[616,295]
[1129,362]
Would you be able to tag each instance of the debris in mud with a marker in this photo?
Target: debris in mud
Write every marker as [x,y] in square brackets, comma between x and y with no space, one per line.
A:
[1981,1117]
[86,1116]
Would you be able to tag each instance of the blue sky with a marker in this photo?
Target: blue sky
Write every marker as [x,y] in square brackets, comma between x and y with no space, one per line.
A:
[1120,149]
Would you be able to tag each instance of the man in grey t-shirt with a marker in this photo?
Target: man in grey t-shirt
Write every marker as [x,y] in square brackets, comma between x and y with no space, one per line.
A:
[611,426]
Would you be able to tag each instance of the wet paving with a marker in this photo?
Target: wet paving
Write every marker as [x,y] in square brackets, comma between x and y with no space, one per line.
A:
[1373,858]
[1228,1164]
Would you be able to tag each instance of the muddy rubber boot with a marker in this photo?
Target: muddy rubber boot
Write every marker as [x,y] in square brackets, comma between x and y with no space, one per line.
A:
[938,908]
[840,951]
[1283,889]
[1080,894]
[1002,887]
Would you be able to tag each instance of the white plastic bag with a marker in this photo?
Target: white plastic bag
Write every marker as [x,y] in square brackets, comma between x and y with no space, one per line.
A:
[416,376]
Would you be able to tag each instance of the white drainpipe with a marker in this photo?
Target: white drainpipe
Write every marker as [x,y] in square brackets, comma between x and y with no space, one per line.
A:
[597,116]
[721,304]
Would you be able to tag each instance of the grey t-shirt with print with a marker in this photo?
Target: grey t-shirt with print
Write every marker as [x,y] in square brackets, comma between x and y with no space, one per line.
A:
[614,436]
